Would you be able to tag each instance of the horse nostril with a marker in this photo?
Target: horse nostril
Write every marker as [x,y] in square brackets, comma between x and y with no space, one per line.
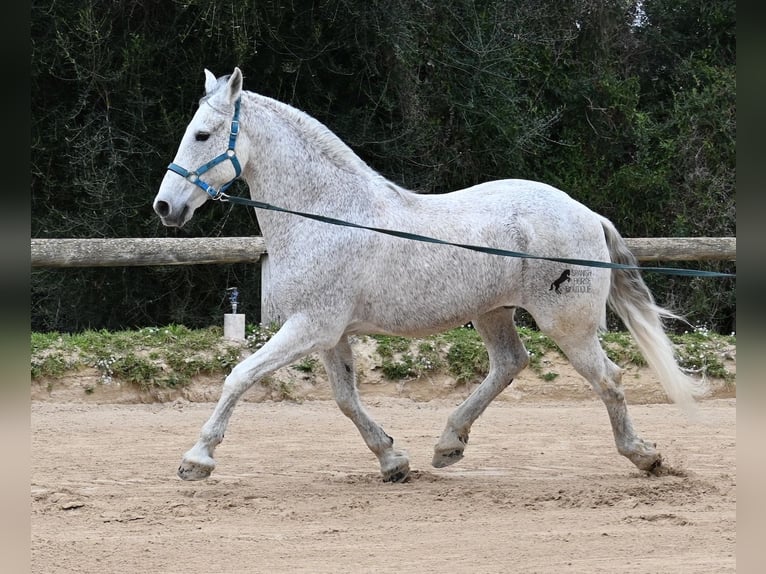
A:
[162,208]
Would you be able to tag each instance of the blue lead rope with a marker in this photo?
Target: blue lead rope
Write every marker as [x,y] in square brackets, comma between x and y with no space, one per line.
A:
[490,250]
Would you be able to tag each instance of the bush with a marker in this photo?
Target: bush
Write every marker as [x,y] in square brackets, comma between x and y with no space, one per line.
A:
[631,112]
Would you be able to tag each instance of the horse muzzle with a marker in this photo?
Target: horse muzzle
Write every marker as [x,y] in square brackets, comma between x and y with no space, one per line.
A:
[172,217]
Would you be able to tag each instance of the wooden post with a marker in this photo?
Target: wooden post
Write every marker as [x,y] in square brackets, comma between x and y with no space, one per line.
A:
[269,312]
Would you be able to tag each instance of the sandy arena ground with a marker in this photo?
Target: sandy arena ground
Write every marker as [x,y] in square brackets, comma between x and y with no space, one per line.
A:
[541,488]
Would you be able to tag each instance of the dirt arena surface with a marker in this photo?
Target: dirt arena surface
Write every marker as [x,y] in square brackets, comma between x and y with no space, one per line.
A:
[541,488]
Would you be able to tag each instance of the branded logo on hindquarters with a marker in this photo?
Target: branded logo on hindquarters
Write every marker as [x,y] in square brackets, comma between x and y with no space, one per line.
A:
[572,281]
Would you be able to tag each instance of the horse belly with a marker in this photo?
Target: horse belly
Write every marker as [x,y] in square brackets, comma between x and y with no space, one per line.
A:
[428,294]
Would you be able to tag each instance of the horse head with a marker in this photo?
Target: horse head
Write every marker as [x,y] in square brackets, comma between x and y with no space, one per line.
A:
[211,153]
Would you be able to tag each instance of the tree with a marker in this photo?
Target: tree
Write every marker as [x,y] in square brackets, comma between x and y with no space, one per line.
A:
[627,105]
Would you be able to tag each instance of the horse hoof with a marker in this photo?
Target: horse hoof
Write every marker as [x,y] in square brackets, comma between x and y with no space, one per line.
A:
[397,469]
[652,465]
[444,458]
[195,469]
[646,458]
[398,476]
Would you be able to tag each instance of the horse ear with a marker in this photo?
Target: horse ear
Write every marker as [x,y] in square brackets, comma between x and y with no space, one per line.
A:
[234,86]
[210,81]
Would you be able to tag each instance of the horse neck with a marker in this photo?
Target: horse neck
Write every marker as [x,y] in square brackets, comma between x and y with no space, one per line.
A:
[298,164]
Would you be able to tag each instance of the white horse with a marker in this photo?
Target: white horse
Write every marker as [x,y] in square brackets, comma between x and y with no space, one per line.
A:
[330,282]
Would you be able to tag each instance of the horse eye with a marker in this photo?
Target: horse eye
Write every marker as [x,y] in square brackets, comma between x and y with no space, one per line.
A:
[202,136]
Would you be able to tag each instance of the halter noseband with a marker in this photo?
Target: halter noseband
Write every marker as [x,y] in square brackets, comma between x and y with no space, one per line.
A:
[230,154]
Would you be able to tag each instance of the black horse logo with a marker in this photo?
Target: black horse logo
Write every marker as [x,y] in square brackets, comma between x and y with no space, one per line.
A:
[562,278]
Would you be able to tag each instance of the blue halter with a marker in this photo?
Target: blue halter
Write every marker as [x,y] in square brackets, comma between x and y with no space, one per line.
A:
[230,154]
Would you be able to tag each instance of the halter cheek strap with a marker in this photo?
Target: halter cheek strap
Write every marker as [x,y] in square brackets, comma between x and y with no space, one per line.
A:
[230,154]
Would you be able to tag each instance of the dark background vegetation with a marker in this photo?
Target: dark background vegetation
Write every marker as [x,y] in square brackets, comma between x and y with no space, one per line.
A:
[628,106]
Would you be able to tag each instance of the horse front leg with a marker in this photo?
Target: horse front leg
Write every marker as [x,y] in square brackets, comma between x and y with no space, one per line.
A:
[339,364]
[288,345]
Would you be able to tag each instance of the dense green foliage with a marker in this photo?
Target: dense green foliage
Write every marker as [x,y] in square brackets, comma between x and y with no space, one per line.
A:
[631,111]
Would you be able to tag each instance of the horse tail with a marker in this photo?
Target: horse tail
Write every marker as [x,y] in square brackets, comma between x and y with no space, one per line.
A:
[631,299]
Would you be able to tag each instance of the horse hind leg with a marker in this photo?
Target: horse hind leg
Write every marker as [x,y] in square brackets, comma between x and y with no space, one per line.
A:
[339,364]
[507,358]
[589,359]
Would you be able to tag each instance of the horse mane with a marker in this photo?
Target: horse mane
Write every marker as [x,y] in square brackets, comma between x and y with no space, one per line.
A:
[316,133]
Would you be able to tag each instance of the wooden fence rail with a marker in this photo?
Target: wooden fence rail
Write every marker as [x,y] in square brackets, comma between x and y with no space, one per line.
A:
[131,252]
[124,252]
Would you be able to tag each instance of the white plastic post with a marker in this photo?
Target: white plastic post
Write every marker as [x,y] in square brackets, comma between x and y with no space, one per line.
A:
[234,326]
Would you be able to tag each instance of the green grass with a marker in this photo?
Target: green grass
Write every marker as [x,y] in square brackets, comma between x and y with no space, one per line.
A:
[700,351]
[466,357]
[621,348]
[402,358]
[150,357]
[307,364]
[170,357]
